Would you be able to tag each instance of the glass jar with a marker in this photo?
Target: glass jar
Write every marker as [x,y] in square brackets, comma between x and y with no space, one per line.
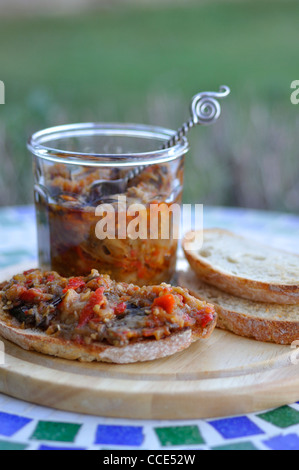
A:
[69,163]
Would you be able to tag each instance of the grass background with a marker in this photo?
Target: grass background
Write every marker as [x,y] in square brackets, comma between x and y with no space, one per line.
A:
[143,64]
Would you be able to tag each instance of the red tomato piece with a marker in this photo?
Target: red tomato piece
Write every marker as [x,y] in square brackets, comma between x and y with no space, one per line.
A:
[28,272]
[87,313]
[120,308]
[74,283]
[167,302]
[207,318]
[29,295]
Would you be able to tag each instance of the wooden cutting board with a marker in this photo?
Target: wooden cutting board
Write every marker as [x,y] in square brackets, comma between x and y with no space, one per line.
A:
[224,375]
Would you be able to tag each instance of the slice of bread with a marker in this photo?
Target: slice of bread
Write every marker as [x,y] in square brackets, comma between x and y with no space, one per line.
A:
[243,267]
[34,340]
[148,350]
[264,322]
[145,348]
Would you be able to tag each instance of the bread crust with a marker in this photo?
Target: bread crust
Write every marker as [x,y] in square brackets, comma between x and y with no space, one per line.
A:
[255,290]
[245,324]
[147,350]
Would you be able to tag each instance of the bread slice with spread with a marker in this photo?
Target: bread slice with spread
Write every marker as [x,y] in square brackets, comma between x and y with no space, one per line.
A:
[96,319]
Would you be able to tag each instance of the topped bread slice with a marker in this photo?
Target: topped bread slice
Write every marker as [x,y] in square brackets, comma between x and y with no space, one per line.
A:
[93,318]
[244,267]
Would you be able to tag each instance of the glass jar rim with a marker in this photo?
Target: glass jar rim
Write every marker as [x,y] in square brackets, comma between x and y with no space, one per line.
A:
[38,144]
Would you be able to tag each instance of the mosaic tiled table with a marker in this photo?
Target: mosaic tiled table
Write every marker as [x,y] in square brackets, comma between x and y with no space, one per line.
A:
[27,426]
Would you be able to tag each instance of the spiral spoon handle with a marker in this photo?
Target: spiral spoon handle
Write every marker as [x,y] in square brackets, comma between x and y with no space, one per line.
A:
[205,110]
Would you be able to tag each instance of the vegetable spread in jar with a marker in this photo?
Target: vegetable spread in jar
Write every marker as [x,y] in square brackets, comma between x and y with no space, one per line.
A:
[66,203]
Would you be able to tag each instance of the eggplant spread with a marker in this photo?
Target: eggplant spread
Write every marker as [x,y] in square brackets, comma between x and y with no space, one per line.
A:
[95,309]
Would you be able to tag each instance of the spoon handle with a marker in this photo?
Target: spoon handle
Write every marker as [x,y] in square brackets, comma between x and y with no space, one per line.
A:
[205,110]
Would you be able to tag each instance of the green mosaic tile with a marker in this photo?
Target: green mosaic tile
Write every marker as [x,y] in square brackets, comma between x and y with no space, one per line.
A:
[50,431]
[179,436]
[237,446]
[283,417]
[6,445]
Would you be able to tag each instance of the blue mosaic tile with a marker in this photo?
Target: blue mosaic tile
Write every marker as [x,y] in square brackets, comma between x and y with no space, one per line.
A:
[288,442]
[232,428]
[119,435]
[44,447]
[10,424]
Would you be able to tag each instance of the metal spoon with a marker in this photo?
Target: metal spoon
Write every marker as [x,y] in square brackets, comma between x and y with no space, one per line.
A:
[205,110]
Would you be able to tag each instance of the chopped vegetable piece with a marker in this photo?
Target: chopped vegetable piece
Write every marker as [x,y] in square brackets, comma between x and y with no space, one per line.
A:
[167,302]
[87,313]
[74,283]
[120,308]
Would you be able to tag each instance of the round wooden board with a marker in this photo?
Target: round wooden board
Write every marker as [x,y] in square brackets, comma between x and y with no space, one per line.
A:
[224,375]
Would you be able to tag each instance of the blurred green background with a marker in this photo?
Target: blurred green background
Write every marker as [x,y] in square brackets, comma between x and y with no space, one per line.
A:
[143,63]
